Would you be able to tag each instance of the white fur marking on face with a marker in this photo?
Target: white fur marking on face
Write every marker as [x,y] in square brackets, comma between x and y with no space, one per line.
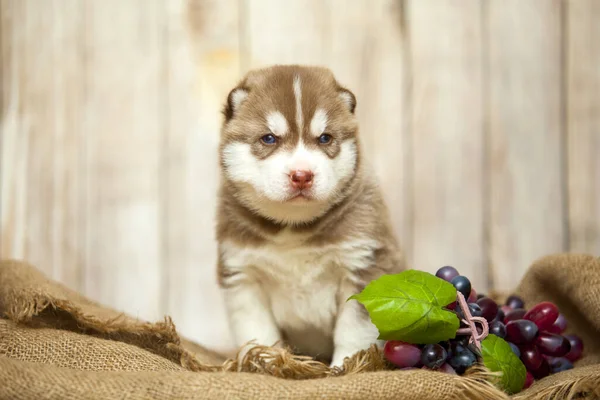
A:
[298,96]
[237,98]
[318,123]
[277,123]
[270,177]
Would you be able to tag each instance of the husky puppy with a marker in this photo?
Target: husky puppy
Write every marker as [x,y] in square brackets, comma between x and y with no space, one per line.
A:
[301,223]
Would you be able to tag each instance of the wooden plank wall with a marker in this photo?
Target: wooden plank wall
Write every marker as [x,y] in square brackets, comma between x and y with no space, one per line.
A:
[481,119]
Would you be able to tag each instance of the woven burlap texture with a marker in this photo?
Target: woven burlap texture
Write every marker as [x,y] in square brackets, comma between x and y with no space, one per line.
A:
[57,344]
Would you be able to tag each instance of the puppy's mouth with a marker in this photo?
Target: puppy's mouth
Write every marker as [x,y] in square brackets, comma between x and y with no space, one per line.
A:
[300,196]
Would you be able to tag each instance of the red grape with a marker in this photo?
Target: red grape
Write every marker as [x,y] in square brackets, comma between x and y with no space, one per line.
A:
[559,325]
[451,306]
[402,354]
[521,331]
[514,302]
[528,380]
[447,368]
[543,314]
[576,348]
[552,344]
[472,296]
[531,357]
[489,308]
[542,371]
[447,273]
[500,316]
[505,309]
[515,314]
[433,356]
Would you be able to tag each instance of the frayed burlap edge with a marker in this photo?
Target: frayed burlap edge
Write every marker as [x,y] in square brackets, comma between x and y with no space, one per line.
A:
[160,338]
[584,385]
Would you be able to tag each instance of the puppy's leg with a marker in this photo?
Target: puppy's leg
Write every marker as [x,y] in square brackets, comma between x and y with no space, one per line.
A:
[354,330]
[249,314]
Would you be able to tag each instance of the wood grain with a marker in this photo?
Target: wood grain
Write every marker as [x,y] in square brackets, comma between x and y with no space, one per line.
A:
[583,125]
[527,217]
[123,123]
[41,135]
[447,135]
[203,64]
[277,32]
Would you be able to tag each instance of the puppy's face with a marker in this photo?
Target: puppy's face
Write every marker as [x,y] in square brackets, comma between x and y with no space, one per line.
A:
[289,141]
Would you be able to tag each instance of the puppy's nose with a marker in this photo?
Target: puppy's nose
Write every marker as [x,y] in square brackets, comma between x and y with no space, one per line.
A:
[301,179]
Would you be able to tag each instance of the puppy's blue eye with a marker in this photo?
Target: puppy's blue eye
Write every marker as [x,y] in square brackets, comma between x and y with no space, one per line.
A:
[324,138]
[268,139]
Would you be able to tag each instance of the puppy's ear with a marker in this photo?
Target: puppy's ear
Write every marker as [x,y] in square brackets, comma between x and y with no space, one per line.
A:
[348,98]
[234,100]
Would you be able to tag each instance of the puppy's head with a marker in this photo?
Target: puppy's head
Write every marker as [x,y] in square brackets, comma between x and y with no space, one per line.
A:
[288,143]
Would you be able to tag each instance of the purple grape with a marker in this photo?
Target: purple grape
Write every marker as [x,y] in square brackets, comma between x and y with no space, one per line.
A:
[462,284]
[402,354]
[462,360]
[552,344]
[515,302]
[515,349]
[531,357]
[489,308]
[576,348]
[521,331]
[543,314]
[474,309]
[498,328]
[559,326]
[513,315]
[447,273]
[559,364]
[433,356]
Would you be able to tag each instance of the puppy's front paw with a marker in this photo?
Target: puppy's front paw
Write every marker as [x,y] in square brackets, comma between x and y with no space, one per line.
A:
[339,356]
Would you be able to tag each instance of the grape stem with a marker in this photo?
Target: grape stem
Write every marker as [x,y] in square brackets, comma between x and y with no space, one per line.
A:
[476,337]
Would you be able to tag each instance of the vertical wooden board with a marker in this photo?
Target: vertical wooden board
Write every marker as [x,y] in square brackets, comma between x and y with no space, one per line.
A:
[41,132]
[123,125]
[525,128]
[447,136]
[14,137]
[368,54]
[278,32]
[583,125]
[203,64]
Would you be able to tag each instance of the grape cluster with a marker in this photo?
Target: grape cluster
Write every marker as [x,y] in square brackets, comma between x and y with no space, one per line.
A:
[534,335]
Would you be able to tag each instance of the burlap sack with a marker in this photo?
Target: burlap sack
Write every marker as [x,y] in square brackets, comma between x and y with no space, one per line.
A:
[56,344]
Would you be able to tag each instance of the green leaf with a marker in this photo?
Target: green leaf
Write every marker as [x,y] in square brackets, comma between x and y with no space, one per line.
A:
[498,356]
[408,307]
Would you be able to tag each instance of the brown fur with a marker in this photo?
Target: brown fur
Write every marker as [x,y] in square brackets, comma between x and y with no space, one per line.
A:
[358,209]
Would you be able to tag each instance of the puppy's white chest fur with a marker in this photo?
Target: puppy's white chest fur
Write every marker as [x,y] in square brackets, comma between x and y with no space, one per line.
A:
[301,284]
